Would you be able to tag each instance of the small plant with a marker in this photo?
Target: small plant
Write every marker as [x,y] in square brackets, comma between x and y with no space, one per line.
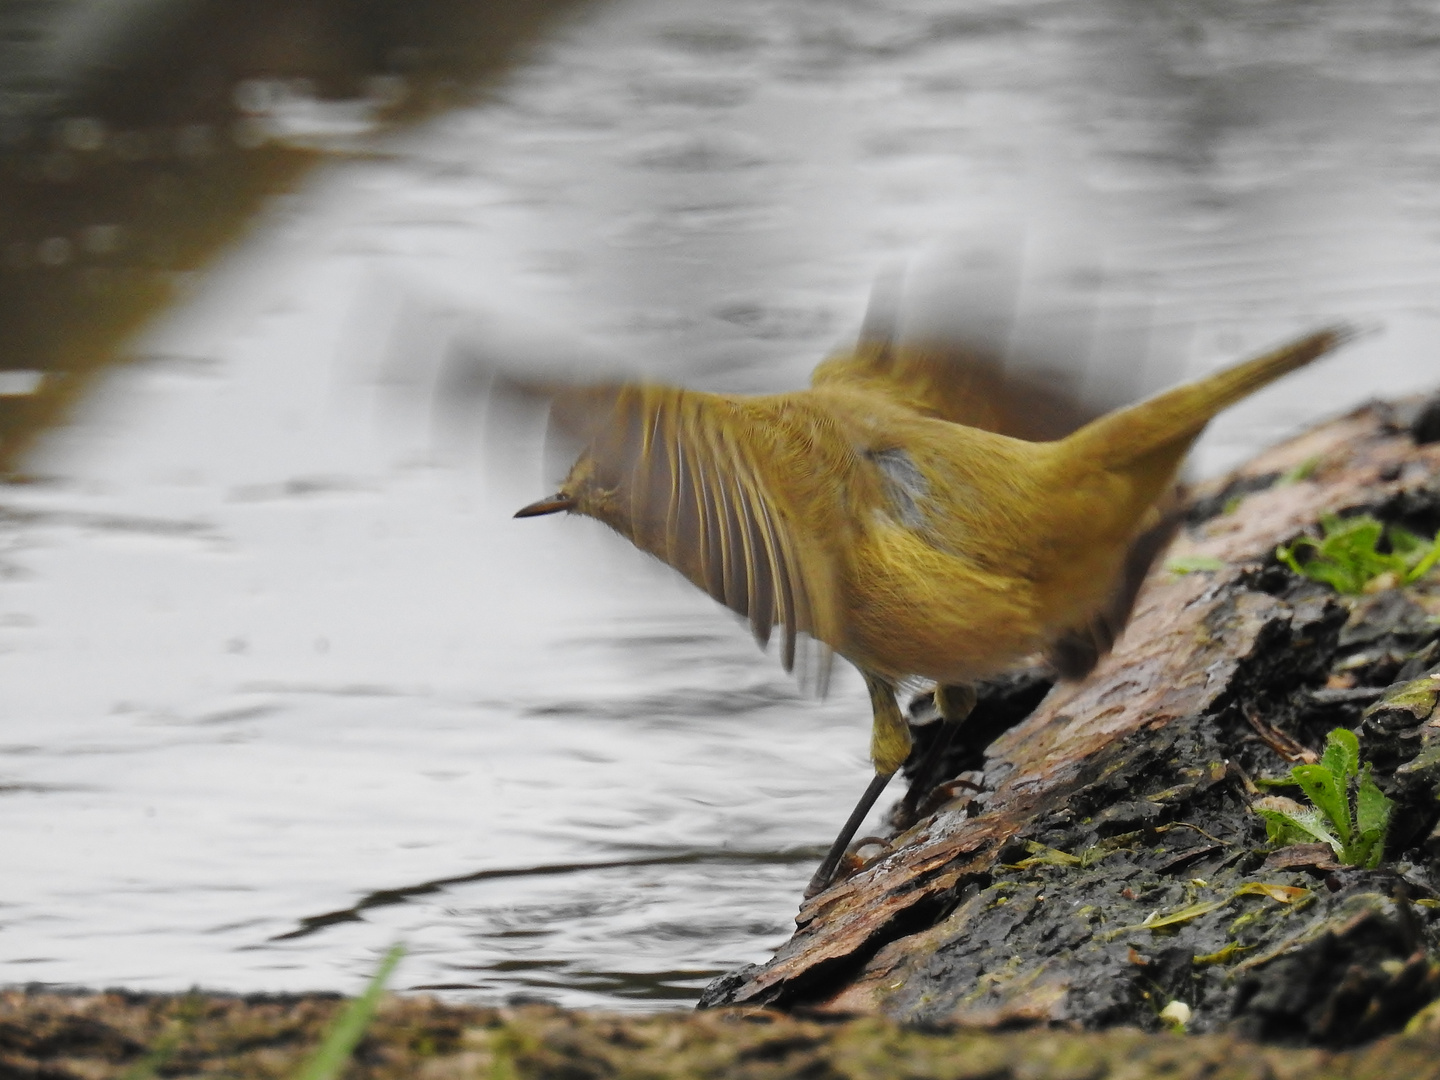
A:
[1354,827]
[1348,559]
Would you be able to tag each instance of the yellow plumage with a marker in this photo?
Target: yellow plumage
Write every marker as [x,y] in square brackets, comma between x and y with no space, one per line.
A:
[909,510]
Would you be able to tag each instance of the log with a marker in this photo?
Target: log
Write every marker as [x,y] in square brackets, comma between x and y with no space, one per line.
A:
[1110,862]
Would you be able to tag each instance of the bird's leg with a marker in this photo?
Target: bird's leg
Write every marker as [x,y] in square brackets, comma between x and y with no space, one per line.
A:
[955,704]
[889,747]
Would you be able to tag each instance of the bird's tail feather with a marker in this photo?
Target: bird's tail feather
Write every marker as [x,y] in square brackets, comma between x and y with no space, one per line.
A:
[1176,417]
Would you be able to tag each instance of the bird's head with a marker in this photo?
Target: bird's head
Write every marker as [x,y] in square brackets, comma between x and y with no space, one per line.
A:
[581,493]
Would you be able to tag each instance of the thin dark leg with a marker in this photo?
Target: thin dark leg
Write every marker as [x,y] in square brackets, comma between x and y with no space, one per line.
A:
[826,873]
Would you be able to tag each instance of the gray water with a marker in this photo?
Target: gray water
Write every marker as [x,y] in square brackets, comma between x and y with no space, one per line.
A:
[283,683]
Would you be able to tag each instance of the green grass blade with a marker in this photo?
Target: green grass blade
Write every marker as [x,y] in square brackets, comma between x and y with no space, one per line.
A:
[1342,756]
[1321,788]
[349,1027]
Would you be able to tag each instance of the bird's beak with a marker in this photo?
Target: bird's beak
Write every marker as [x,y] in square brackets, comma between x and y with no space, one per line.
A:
[552,505]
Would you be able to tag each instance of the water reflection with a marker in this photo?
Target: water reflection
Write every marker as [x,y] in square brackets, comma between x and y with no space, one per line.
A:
[268,659]
[138,138]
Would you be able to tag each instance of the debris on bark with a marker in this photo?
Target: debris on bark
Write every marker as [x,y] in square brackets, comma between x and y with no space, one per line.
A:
[1100,861]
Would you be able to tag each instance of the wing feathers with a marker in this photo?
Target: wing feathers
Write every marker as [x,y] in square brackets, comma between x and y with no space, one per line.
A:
[688,488]
[785,613]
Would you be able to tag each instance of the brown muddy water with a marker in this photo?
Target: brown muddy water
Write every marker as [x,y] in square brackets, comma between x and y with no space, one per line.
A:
[282,683]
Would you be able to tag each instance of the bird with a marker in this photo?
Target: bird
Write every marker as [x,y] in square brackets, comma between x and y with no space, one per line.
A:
[914,510]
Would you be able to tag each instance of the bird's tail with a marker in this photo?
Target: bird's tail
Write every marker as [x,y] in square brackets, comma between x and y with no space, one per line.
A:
[1172,420]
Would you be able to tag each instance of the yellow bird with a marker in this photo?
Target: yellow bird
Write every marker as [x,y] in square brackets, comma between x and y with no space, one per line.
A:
[908,511]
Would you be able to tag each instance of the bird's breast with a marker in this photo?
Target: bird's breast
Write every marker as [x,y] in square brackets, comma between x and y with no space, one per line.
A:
[914,609]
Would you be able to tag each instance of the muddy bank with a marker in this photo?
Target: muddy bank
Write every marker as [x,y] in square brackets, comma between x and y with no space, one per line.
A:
[94,1036]
[1101,859]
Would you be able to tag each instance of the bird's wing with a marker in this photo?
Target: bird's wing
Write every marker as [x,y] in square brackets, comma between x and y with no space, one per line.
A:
[722,489]
[950,380]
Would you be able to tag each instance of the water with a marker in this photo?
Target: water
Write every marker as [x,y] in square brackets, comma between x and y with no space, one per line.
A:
[283,683]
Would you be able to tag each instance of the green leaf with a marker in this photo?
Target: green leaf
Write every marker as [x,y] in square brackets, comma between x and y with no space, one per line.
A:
[1322,789]
[1407,544]
[1342,756]
[1365,851]
[349,1027]
[1356,835]
[1286,554]
[1040,855]
[1347,557]
[1313,822]
[1355,537]
[1281,831]
[1287,822]
[1372,808]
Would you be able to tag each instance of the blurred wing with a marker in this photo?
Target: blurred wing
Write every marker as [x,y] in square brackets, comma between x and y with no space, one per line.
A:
[952,381]
[716,487]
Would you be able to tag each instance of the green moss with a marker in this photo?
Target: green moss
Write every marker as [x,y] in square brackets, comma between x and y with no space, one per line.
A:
[1416,697]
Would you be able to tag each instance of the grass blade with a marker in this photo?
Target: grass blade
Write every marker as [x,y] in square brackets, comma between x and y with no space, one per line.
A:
[349,1027]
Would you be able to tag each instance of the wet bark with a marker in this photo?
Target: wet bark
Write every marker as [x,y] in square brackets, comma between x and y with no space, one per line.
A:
[1101,859]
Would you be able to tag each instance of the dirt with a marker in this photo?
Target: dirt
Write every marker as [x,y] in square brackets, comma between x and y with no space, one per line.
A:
[49,1036]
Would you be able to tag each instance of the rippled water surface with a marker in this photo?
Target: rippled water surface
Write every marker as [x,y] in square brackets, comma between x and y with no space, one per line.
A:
[283,683]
